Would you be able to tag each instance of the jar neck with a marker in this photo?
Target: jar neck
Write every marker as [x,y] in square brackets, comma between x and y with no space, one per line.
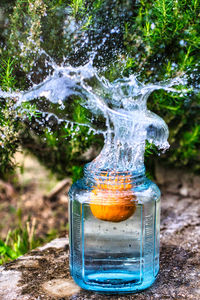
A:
[113,176]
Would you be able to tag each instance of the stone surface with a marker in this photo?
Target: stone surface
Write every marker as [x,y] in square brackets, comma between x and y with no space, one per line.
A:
[44,272]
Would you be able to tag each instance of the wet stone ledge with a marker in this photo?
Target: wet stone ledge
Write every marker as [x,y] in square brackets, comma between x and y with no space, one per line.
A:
[44,272]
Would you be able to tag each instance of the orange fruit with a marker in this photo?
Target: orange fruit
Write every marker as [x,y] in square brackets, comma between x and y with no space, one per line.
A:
[113,199]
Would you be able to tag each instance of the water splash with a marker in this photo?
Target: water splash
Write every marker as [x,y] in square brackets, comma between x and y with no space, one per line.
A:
[117,109]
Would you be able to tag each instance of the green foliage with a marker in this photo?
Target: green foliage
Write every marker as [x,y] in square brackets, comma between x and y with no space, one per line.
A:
[150,149]
[30,110]
[164,35]
[24,42]
[61,147]
[77,6]
[61,150]
[18,242]
[7,79]
[22,238]
[77,173]
[8,125]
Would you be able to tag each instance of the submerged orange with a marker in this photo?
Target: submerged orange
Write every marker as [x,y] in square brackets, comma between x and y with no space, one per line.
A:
[113,199]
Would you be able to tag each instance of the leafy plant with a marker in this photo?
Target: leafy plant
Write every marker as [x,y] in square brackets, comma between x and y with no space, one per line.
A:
[164,36]
[30,110]
[24,41]
[77,173]
[7,79]
[18,242]
[77,6]
[8,125]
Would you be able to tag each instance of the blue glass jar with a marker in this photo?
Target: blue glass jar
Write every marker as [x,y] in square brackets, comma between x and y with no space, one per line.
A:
[114,231]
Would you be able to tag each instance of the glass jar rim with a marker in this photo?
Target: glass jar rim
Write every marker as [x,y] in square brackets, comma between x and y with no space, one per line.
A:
[99,174]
